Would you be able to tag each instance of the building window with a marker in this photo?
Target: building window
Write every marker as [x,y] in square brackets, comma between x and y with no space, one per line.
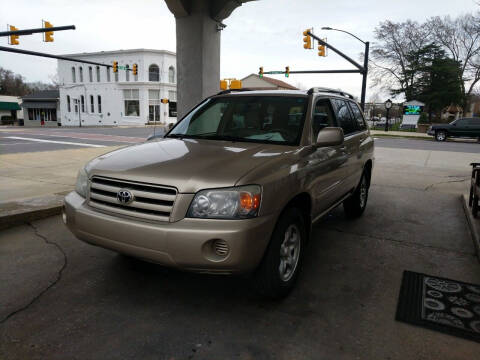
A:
[116,76]
[171,74]
[73,75]
[82,103]
[92,104]
[90,74]
[75,104]
[108,73]
[153,73]
[80,73]
[99,102]
[98,73]
[127,73]
[42,114]
[132,102]
[172,95]
[69,108]
[153,105]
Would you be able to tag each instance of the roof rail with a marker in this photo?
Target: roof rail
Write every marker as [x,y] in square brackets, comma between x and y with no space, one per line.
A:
[329,90]
[228,91]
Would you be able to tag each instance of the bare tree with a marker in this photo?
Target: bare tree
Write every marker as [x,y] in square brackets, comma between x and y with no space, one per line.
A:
[461,38]
[389,53]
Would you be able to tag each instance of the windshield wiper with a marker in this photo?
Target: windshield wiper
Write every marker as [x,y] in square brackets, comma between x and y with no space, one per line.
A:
[176,136]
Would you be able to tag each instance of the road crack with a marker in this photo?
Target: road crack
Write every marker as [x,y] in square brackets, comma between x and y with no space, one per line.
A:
[57,279]
[445,182]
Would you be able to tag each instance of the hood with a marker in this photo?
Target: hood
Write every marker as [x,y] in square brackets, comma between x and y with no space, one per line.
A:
[187,164]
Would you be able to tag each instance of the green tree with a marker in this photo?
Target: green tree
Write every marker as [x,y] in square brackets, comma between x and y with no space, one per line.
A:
[435,79]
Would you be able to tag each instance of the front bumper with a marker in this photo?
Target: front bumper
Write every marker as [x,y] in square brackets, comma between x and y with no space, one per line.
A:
[184,244]
[431,132]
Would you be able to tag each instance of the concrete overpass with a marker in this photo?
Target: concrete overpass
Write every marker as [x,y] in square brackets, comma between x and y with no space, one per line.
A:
[198,25]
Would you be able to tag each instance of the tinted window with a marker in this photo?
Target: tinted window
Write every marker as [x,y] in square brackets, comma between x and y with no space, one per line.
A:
[266,119]
[344,117]
[461,122]
[357,115]
[475,121]
[322,117]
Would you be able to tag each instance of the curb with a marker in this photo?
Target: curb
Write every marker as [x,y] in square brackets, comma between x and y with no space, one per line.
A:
[17,213]
[473,223]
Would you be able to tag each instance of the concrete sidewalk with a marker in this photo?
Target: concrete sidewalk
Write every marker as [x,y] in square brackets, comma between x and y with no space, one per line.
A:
[32,185]
[401,133]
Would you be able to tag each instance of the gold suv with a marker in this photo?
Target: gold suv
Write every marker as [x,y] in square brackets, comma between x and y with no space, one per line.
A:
[233,188]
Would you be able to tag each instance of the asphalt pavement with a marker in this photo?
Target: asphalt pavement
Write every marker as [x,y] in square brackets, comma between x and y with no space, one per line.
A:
[64,299]
[18,139]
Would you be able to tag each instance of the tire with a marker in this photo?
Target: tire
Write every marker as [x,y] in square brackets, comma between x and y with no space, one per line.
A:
[355,205]
[271,280]
[441,135]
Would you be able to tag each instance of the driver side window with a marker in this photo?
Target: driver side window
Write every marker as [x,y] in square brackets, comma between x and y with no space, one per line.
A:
[322,117]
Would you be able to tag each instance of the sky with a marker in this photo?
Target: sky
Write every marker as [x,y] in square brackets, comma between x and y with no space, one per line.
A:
[264,33]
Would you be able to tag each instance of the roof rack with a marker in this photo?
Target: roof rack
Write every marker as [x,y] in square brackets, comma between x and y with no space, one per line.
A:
[329,90]
[228,91]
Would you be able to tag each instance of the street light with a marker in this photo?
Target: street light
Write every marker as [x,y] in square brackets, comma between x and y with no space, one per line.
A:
[388,106]
[365,62]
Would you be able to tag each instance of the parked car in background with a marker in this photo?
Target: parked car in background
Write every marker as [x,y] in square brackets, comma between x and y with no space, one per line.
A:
[233,188]
[463,128]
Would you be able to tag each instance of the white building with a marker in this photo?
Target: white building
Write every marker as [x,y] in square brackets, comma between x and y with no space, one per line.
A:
[94,95]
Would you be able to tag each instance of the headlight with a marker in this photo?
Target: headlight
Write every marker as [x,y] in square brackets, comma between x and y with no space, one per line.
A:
[227,203]
[82,181]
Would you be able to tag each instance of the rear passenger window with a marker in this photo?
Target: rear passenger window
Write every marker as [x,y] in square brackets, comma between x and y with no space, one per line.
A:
[357,115]
[322,117]
[344,117]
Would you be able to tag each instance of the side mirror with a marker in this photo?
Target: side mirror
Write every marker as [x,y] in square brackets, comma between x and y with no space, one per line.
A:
[330,136]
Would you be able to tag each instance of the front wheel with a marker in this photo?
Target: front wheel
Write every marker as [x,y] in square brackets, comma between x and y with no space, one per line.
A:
[440,135]
[355,205]
[279,269]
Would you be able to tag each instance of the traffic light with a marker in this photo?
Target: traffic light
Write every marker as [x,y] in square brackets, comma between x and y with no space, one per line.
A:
[13,38]
[223,84]
[164,101]
[307,40]
[48,34]
[135,69]
[235,84]
[287,71]
[260,72]
[115,66]
[321,50]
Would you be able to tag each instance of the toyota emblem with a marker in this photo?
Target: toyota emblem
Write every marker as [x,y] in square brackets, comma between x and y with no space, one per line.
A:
[124,196]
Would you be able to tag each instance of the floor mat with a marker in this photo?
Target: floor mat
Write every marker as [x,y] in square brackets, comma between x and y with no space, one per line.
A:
[445,305]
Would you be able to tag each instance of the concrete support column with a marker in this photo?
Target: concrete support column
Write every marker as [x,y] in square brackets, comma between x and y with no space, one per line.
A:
[198,57]
[198,24]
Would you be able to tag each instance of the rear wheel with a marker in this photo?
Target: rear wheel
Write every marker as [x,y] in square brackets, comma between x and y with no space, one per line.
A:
[440,135]
[279,269]
[355,205]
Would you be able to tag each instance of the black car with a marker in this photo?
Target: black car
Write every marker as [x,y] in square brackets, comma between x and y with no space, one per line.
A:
[464,127]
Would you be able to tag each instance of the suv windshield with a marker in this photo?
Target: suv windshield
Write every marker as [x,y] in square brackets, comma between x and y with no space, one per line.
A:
[265,119]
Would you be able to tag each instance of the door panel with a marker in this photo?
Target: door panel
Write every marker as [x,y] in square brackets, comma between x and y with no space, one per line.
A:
[325,163]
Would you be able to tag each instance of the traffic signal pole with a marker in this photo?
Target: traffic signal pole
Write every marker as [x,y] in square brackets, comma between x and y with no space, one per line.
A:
[35,53]
[346,57]
[37,30]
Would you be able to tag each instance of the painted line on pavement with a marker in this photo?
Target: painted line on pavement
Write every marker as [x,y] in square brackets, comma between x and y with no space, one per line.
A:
[53,141]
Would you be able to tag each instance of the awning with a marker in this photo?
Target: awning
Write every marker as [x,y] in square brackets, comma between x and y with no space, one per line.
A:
[39,104]
[9,106]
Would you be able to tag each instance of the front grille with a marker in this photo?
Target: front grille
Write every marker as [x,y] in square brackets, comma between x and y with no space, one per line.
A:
[150,202]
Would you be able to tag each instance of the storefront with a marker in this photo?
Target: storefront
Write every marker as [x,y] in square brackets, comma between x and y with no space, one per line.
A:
[41,108]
